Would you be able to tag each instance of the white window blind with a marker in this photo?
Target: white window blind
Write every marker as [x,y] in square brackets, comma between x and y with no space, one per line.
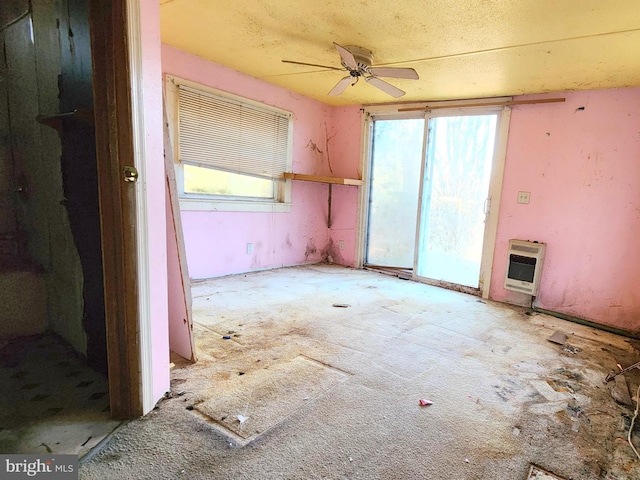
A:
[229,135]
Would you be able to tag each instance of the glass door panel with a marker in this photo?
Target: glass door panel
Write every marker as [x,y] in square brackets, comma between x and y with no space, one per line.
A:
[455,187]
[394,194]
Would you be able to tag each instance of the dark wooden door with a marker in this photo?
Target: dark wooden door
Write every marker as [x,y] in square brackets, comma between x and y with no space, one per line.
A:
[80,172]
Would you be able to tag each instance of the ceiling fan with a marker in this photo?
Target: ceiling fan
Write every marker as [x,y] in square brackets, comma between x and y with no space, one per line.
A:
[357,62]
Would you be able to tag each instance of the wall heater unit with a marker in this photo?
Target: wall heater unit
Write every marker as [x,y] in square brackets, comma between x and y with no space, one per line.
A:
[524,263]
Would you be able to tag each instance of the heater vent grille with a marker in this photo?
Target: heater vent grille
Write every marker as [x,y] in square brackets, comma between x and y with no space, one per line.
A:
[524,263]
[525,248]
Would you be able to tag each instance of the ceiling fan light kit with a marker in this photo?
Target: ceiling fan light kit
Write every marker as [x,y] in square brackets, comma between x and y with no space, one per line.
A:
[358,61]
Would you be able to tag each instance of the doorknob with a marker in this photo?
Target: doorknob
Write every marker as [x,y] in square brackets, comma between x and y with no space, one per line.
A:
[130,174]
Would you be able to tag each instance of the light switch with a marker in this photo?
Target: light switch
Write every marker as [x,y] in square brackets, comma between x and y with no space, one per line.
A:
[523,197]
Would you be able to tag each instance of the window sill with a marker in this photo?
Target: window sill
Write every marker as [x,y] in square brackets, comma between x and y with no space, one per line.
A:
[200,204]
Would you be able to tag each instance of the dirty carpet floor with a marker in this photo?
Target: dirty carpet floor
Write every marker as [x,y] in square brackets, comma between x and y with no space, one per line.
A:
[302,389]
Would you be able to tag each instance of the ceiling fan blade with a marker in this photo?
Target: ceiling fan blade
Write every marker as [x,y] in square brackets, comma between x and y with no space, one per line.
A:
[341,86]
[385,87]
[392,72]
[311,64]
[347,57]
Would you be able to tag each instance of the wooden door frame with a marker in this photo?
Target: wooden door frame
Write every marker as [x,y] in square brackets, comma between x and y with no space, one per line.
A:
[112,85]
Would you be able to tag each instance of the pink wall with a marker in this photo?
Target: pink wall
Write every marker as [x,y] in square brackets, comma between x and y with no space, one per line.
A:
[581,167]
[345,149]
[216,241]
[155,191]
[581,162]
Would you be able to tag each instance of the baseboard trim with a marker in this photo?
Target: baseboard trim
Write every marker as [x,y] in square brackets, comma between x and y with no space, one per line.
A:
[588,323]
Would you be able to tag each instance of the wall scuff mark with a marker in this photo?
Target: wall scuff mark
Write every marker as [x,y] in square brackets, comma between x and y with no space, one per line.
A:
[313,147]
[310,250]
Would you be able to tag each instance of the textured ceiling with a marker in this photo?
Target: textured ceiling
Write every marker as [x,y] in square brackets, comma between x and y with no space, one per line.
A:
[461,49]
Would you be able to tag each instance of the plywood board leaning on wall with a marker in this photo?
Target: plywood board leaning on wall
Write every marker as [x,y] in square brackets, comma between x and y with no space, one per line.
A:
[180,316]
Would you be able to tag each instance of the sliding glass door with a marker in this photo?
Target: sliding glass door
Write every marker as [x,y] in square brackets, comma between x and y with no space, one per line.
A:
[396,154]
[455,189]
[429,195]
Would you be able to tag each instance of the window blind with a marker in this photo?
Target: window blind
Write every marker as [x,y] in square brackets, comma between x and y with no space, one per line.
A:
[229,135]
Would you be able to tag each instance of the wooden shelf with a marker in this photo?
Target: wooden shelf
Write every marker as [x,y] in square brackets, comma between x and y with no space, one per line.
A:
[329,180]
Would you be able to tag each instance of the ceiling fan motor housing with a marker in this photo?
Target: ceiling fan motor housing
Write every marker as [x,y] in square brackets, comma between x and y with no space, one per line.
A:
[364,57]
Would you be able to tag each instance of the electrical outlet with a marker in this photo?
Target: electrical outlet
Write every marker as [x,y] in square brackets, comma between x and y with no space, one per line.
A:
[341,244]
[249,248]
[523,197]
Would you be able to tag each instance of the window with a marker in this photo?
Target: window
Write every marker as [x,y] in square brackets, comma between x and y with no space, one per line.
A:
[230,152]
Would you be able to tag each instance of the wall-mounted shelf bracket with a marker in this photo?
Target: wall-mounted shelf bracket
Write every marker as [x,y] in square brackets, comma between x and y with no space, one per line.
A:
[329,180]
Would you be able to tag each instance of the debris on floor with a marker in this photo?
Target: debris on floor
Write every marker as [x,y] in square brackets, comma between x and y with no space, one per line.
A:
[558,337]
[576,413]
[620,391]
[544,402]
[611,376]
[537,473]
[569,374]
[571,349]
